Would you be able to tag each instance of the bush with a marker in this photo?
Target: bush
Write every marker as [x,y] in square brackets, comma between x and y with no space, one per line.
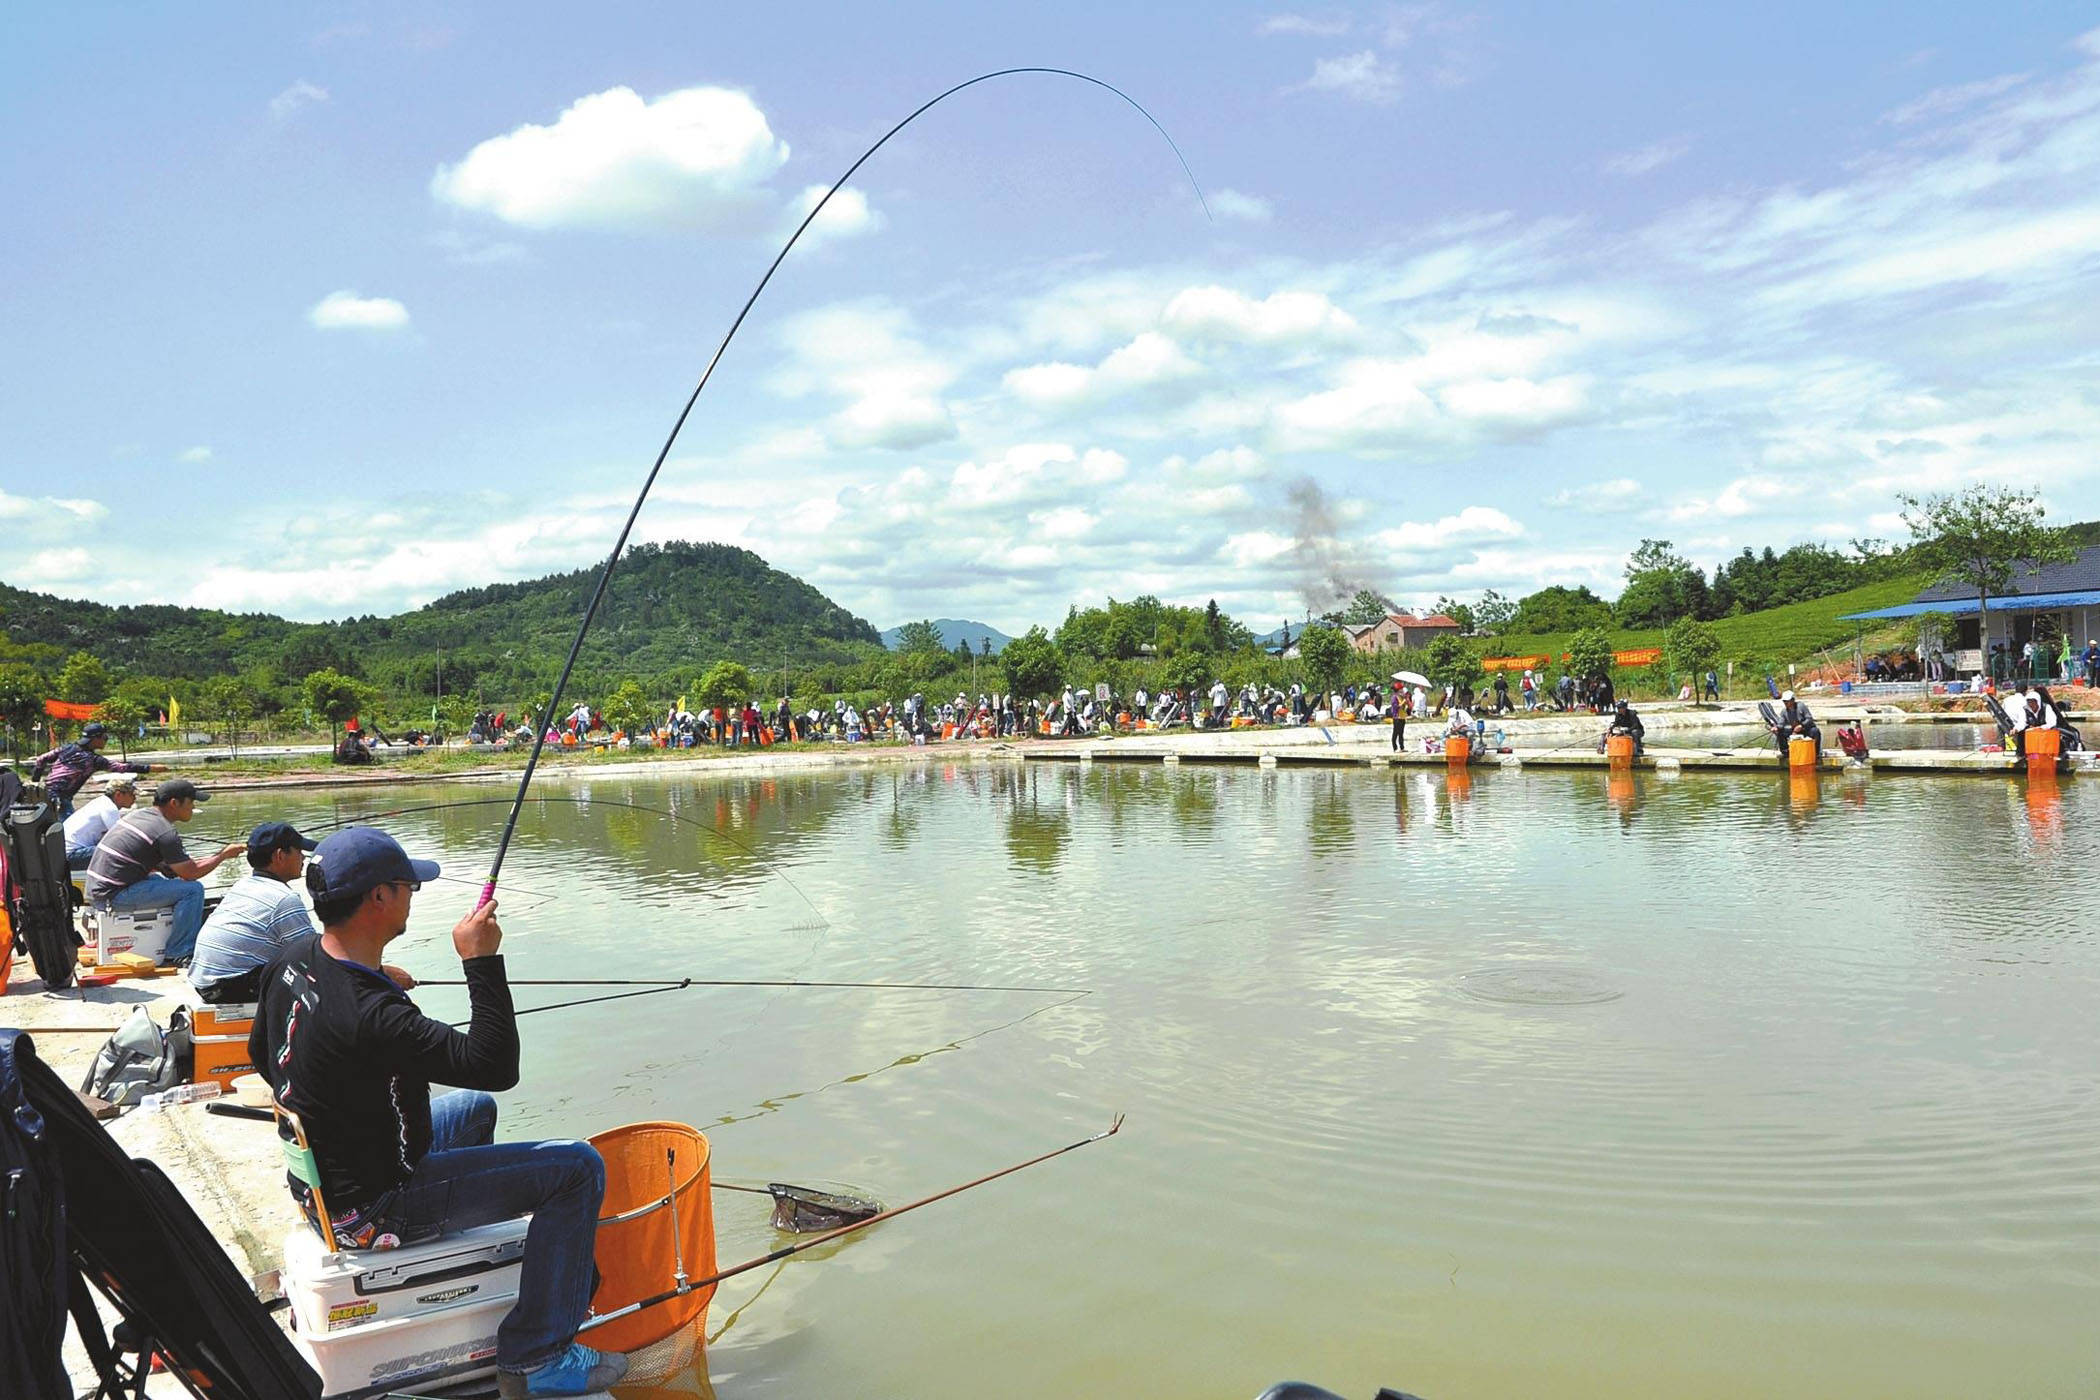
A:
[1033,666]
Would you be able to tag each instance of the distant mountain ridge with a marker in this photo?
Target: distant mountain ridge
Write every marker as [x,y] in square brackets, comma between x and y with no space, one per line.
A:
[673,609]
[955,630]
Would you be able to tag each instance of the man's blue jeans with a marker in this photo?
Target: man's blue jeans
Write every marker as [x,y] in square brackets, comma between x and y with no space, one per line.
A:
[469,1179]
[157,891]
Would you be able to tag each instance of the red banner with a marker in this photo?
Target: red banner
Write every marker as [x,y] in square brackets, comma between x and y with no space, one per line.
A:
[1513,663]
[68,709]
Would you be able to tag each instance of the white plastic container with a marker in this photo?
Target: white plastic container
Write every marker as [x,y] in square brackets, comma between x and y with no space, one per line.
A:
[370,1320]
[142,931]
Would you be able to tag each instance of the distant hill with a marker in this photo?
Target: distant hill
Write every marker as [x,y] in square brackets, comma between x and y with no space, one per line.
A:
[672,610]
[954,630]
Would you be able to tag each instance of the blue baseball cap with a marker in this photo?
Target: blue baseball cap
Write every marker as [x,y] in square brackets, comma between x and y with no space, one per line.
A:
[359,858]
[271,837]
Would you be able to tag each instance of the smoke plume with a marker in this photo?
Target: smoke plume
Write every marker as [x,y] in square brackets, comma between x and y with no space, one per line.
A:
[1330,570]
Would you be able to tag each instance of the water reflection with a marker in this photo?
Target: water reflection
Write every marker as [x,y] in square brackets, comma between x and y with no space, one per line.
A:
[1613,1077]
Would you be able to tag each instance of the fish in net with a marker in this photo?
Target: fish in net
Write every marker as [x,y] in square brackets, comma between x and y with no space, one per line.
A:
[804,1210]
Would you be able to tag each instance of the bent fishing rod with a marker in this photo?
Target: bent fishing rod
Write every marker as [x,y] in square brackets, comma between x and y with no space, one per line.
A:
[612,560]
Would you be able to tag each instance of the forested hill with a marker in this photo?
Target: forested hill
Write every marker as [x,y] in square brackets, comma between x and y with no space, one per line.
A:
[672,609]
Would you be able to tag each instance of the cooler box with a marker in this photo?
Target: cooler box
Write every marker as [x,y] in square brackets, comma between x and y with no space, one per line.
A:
[112,931]
[219,1035]
[378,1319]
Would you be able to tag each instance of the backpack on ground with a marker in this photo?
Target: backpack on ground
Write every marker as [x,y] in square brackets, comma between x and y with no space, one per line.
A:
[141,1059]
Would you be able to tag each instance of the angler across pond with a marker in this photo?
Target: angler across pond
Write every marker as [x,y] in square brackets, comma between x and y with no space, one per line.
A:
[1620,1077]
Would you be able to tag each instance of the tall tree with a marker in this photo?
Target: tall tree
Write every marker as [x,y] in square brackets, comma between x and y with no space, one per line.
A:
[334,696]
[1325,652]
[1452,662]
[1493,613]
[729,683]
[84,679]
[1368,606]
[1661,586]
[1691,648]
[1590,653]
[1033,665]
[1982,538]
[920,636]
[1559,609]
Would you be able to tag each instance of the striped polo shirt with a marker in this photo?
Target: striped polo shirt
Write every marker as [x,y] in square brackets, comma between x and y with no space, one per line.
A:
[259,916]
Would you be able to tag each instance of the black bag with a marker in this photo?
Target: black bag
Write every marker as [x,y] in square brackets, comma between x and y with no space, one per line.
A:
[41,900]
[35,1274]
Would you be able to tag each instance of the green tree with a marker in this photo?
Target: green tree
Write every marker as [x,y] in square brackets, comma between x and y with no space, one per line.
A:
[228,699]
[455,713]
[1188,670]
[1451,662]
[84,679]
[1033,665]
[1493,613]
[1590,653]
[1691,648]
[920,636]
[1982,538]
[1661,586]
[123,715]
[729,683]
[1928,632]
[1325,653]
[1368,606]
[333,696]
[628,707]
[1559,609]
[23,690]
[1460,613]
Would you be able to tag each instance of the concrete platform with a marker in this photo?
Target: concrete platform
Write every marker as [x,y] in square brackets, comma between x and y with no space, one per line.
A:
[1202,749]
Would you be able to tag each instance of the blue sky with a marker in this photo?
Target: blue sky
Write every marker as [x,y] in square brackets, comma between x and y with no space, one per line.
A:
[330,310]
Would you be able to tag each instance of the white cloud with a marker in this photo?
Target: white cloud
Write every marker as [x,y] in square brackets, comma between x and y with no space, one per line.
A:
[1363,76]
[1148,361]
[300,94]
[1600,497]
[870,354]
[194,455]
[1941,101]
[1745,496]
[13,507]
[346,310]
[1287,318]
[846,216]
[1304,24]
[1248,208]
[1648,159]
[1473,523]
[695,158]
[49,566]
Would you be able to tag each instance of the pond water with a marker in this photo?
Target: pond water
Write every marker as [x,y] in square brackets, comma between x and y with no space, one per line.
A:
[1959,738]
[1568,1083]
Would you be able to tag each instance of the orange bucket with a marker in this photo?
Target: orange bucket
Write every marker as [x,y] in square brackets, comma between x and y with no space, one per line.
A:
[2044,744]
[1458,749]
[1803,752]
[1619,748]
[636,1259]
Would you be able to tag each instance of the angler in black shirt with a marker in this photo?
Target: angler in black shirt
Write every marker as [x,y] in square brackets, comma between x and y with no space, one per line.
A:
[345,1049]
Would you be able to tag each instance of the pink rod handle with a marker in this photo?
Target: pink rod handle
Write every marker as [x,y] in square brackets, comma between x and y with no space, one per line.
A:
[488,892]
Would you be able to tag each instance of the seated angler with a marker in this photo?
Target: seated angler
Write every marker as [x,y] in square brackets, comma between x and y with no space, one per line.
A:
[343,1047]
[1794,719]
[142,864]
[2029,713]
[86,827]
[258,919]
[1625,721]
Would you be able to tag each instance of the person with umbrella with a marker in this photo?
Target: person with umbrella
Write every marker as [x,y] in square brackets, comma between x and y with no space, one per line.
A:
[1401,680]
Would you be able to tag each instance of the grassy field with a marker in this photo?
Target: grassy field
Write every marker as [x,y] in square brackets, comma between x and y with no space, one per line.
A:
[1796,632]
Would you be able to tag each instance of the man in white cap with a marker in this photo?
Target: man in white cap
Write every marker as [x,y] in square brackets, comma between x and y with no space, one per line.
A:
[1794,718]
[87,826]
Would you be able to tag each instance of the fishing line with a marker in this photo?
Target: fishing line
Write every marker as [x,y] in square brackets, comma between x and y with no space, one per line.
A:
[612,560]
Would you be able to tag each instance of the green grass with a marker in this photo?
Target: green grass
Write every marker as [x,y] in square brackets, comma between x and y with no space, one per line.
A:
[1795,632]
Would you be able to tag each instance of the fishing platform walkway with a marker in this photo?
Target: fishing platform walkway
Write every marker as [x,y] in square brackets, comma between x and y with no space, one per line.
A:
[1194,749]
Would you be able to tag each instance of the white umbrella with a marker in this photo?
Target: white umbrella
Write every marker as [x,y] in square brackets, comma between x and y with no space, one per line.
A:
[1410,678]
